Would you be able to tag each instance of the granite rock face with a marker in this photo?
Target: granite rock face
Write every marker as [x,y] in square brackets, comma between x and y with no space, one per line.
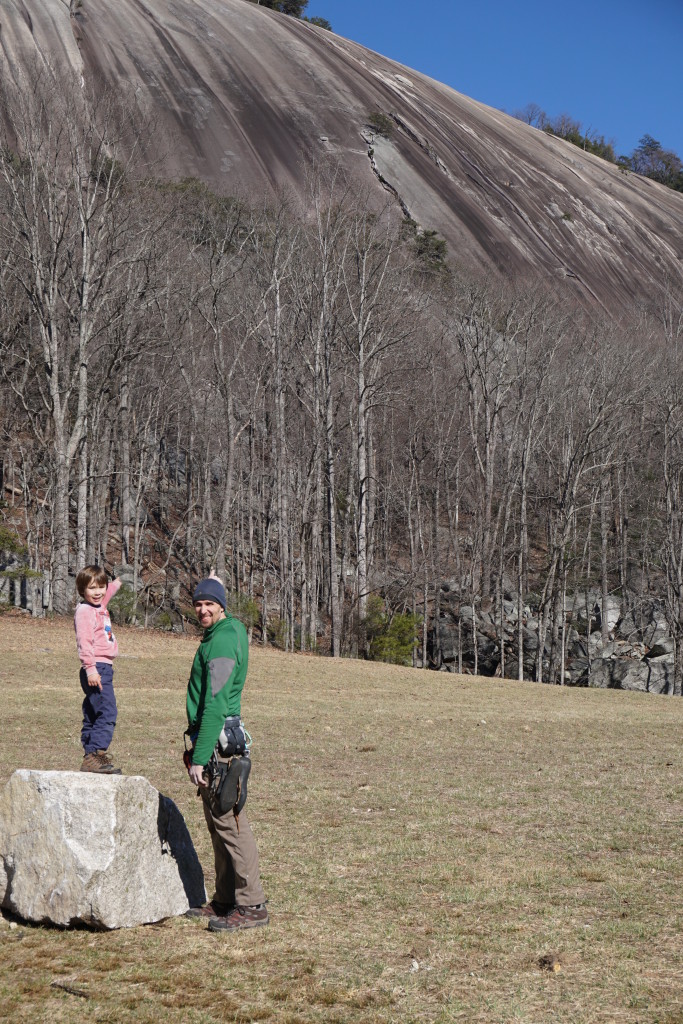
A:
[245,99]
[105,851]
[637,655]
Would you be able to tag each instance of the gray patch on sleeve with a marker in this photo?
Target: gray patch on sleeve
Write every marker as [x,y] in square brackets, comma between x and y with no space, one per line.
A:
[220,670]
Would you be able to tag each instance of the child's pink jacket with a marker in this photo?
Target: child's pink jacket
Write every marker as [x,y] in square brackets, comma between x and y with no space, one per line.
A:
[94,637]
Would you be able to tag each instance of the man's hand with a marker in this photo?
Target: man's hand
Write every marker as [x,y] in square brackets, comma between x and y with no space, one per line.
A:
[196,773]
[95,680]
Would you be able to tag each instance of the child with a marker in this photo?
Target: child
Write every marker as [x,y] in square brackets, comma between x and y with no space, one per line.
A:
[97,648]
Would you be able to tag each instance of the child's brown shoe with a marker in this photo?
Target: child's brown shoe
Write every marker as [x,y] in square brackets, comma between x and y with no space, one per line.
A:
[97,761]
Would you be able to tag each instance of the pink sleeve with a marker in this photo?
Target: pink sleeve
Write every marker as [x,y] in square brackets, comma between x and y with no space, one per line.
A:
[112,588]
[84,624]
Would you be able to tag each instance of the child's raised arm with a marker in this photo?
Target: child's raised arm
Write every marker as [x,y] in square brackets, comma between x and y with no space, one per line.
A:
[112,588]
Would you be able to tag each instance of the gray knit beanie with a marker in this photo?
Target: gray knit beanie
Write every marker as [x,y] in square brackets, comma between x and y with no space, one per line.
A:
[210,589]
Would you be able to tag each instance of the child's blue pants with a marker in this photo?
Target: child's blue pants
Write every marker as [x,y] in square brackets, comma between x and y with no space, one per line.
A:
[99,710]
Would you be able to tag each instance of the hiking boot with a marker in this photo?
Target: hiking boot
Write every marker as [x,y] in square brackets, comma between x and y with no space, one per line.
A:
[209,910]
[240,917]
[104,754]
[97,762]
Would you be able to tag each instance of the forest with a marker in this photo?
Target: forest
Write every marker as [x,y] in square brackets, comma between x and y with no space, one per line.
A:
[305,403]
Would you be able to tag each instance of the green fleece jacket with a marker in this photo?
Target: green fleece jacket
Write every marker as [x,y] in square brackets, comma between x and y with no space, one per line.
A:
[216,683]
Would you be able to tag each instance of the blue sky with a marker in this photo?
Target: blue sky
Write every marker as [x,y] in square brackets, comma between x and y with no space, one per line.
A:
[616,66]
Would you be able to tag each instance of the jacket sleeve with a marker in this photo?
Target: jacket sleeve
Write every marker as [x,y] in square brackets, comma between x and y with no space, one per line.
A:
[112,588]
[221,668]
[84,624]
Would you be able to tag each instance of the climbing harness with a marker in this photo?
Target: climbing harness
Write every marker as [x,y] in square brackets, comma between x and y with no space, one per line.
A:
[229,765]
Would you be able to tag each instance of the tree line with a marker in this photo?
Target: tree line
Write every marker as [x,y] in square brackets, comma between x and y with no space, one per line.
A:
[649,158]
[295,9]
[295,398]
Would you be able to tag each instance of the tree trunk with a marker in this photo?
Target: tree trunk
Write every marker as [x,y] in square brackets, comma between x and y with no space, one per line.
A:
[82,504]
[604,541]
[61,600]
[124,421]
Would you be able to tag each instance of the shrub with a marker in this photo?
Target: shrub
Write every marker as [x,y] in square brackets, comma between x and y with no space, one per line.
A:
[409,229]
[109,172]
[431,249]
[12,550]
[294,8]
[381,124]
[391,638]
[123,606]
[276,631]
[244,608]
[10,544]
[320,22]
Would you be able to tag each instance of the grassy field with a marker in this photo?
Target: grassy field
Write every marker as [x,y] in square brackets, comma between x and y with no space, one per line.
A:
[435,848]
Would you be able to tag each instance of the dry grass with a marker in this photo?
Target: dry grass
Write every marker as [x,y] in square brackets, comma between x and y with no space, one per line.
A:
[435,848]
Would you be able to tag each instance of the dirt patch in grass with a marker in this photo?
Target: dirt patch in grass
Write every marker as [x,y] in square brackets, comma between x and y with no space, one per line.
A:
[435,848]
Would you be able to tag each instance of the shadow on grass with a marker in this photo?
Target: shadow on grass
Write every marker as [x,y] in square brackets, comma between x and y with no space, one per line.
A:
[176,841]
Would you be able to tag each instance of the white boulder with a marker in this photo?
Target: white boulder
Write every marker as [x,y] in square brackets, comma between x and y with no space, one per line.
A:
[108,851]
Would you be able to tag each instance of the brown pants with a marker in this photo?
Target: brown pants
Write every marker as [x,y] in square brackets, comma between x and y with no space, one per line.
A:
[235,855]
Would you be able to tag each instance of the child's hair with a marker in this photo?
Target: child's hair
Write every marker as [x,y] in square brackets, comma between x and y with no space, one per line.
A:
[89,575]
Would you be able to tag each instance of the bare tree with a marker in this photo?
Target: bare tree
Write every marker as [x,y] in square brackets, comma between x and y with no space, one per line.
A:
[275,244]
[378,322]
[224,239]
[578,443]
[66,239]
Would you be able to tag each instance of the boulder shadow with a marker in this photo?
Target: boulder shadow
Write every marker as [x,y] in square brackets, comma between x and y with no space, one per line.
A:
[176,842]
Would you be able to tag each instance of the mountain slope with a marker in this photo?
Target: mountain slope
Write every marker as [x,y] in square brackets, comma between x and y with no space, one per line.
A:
[246,98]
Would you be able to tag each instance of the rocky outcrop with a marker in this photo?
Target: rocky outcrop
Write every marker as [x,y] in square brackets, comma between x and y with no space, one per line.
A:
[245,99]
[104,851]
[639,654]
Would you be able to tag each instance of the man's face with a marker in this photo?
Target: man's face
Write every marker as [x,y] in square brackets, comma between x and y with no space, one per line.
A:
[208,613]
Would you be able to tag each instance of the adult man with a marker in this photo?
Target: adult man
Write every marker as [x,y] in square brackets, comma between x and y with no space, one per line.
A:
[213,706]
